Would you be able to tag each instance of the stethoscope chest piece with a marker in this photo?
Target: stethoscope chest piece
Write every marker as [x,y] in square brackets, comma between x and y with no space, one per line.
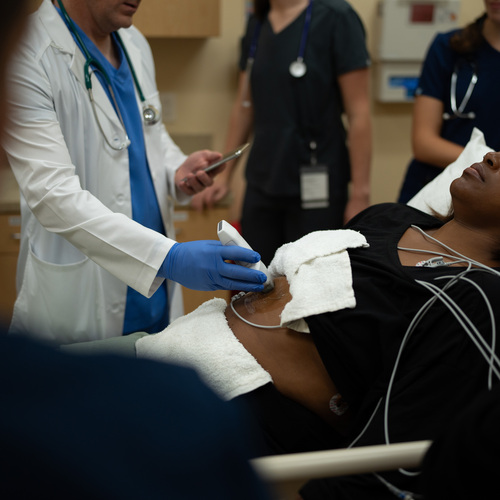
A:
[298,68]
[150,114]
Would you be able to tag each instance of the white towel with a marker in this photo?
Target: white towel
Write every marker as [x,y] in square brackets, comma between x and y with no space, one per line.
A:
[318,269]
[203,341]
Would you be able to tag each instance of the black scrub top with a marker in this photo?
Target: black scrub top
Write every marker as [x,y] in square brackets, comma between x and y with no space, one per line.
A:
[290,112]
[440,370]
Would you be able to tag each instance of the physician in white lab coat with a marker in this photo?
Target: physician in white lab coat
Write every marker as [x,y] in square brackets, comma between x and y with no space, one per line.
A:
[89,252]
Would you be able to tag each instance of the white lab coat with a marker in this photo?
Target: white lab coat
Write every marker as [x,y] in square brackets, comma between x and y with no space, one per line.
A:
[79,246]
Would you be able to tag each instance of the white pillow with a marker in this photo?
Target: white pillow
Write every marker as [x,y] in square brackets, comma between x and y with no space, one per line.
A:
[435,196]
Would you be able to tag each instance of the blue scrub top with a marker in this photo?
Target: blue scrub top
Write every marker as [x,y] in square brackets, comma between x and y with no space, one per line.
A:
[435,81]
[141,314]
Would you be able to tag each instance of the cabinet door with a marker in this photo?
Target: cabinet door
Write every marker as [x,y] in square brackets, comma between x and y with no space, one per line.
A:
[9,249]
[179,18]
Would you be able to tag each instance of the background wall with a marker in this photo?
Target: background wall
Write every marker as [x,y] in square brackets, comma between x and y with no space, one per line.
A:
[201,77]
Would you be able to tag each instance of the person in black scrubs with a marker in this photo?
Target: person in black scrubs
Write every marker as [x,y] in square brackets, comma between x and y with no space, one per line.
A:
[304,65]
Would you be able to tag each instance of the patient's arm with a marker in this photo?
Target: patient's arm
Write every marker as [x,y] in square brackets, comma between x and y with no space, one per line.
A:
[290,357]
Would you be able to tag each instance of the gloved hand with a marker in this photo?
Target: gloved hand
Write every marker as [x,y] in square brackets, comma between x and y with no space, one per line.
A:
[200,265]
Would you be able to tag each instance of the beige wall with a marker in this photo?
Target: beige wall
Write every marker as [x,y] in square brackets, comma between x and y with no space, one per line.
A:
[202,75]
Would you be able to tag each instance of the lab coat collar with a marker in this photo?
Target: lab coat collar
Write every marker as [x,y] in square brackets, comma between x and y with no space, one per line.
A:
[55,26]
[63,40]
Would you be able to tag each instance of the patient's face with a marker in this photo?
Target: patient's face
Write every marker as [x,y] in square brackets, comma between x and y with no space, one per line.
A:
[476,194]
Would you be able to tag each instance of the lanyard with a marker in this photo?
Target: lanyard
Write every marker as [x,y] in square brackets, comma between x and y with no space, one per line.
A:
[298,67]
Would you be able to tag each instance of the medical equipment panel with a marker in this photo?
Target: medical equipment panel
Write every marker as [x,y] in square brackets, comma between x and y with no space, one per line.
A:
[405,29]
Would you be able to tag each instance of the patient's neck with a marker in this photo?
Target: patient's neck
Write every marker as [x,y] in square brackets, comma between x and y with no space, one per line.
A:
[476,244]
[283,12]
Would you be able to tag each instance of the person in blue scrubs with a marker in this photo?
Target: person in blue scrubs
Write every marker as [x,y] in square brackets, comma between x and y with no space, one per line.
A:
[443,115]
[109,427]
[99,181]
[150,315]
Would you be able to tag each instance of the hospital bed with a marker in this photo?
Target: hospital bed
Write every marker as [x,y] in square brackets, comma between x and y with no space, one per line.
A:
[285,474]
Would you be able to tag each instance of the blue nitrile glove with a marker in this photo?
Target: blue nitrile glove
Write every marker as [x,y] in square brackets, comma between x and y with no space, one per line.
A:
[200,265]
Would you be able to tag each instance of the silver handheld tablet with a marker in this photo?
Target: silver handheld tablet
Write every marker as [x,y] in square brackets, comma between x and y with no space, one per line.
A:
[236,153]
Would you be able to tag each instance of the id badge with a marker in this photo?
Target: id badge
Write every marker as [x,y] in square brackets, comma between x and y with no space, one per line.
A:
[314,192]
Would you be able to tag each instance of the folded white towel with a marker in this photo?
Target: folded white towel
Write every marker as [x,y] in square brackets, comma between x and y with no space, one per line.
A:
[203,341]
[318,269]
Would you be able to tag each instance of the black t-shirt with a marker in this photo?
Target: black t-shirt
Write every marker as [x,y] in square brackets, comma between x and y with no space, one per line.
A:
[440,369]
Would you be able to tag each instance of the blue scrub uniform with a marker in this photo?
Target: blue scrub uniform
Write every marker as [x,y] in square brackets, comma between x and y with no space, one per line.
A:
[435,81]
[141,314]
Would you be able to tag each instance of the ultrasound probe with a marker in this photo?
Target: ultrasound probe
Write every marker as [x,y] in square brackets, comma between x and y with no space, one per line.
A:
[228,235]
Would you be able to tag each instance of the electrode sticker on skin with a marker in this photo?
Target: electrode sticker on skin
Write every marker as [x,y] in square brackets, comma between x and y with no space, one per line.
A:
[338,405]
[314,191]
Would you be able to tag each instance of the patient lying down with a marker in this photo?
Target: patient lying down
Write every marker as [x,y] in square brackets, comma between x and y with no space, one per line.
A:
[385,313]
[262,338]
[347,326]
[235,357]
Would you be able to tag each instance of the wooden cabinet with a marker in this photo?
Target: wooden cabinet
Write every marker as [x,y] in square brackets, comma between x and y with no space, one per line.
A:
[179,18]
[192,225]
[9,249]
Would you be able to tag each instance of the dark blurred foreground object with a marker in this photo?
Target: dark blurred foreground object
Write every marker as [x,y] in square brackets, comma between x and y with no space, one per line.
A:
[464,462]
[106,427]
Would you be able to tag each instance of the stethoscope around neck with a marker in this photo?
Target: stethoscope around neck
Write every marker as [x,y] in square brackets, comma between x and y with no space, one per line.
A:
[150,114]
[298,67]
[458,111]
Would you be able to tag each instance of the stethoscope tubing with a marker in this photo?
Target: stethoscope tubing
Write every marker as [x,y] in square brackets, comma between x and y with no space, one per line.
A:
[458,111]
[150,114]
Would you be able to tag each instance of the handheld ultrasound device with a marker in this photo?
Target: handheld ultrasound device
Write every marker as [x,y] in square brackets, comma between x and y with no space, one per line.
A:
[228,235]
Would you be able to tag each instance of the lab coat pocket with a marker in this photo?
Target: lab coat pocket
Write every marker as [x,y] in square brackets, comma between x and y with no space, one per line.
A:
[44,308]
